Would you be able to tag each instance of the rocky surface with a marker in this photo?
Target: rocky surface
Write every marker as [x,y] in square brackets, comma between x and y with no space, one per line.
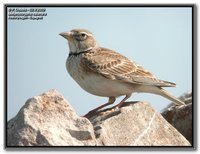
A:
[181,116]
[136,124]
[49,120]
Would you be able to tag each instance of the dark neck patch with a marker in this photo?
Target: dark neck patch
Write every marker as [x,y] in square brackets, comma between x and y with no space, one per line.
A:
[79,53]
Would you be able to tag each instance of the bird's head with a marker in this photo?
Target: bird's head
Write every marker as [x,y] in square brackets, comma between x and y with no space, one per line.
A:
[79,40]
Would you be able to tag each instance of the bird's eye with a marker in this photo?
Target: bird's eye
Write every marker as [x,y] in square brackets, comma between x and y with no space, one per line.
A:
[83,35]
[80,36]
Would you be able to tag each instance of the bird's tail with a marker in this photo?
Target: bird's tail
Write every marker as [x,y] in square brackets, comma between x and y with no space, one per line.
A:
[162,92]
[169,96]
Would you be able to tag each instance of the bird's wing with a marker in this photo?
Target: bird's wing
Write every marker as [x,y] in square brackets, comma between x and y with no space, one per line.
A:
[114,66]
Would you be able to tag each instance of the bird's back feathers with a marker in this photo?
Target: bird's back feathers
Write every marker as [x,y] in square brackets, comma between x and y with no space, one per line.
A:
[115,66]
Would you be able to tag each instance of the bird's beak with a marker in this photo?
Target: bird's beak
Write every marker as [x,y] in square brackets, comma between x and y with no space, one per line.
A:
[67,35]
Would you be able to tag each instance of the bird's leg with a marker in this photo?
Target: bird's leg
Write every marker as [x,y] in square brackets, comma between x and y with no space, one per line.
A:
[123,100]
[92,112]
[110,101]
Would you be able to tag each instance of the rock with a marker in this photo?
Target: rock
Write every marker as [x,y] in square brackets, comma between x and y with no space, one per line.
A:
[187,97]
[49,120]
[137,124]
[181,117]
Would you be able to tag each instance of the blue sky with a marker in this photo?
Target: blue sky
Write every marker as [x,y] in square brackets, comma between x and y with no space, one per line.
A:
[159,39]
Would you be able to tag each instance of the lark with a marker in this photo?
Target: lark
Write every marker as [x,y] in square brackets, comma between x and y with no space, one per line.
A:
[107,73]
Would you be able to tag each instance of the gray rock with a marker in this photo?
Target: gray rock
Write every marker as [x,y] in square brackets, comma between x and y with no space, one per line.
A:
[137,124]
[49,120]
[186,97]
[181,116]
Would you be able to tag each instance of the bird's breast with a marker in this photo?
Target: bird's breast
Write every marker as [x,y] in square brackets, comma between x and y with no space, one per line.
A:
[95,83]
[73,66]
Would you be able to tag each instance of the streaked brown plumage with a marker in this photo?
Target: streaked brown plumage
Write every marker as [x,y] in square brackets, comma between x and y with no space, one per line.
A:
[103,72]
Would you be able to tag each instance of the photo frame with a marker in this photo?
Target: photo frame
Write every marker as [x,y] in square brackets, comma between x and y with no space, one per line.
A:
[160,37]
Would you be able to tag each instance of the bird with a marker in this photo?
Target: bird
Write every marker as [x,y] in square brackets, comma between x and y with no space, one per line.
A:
[104,72]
